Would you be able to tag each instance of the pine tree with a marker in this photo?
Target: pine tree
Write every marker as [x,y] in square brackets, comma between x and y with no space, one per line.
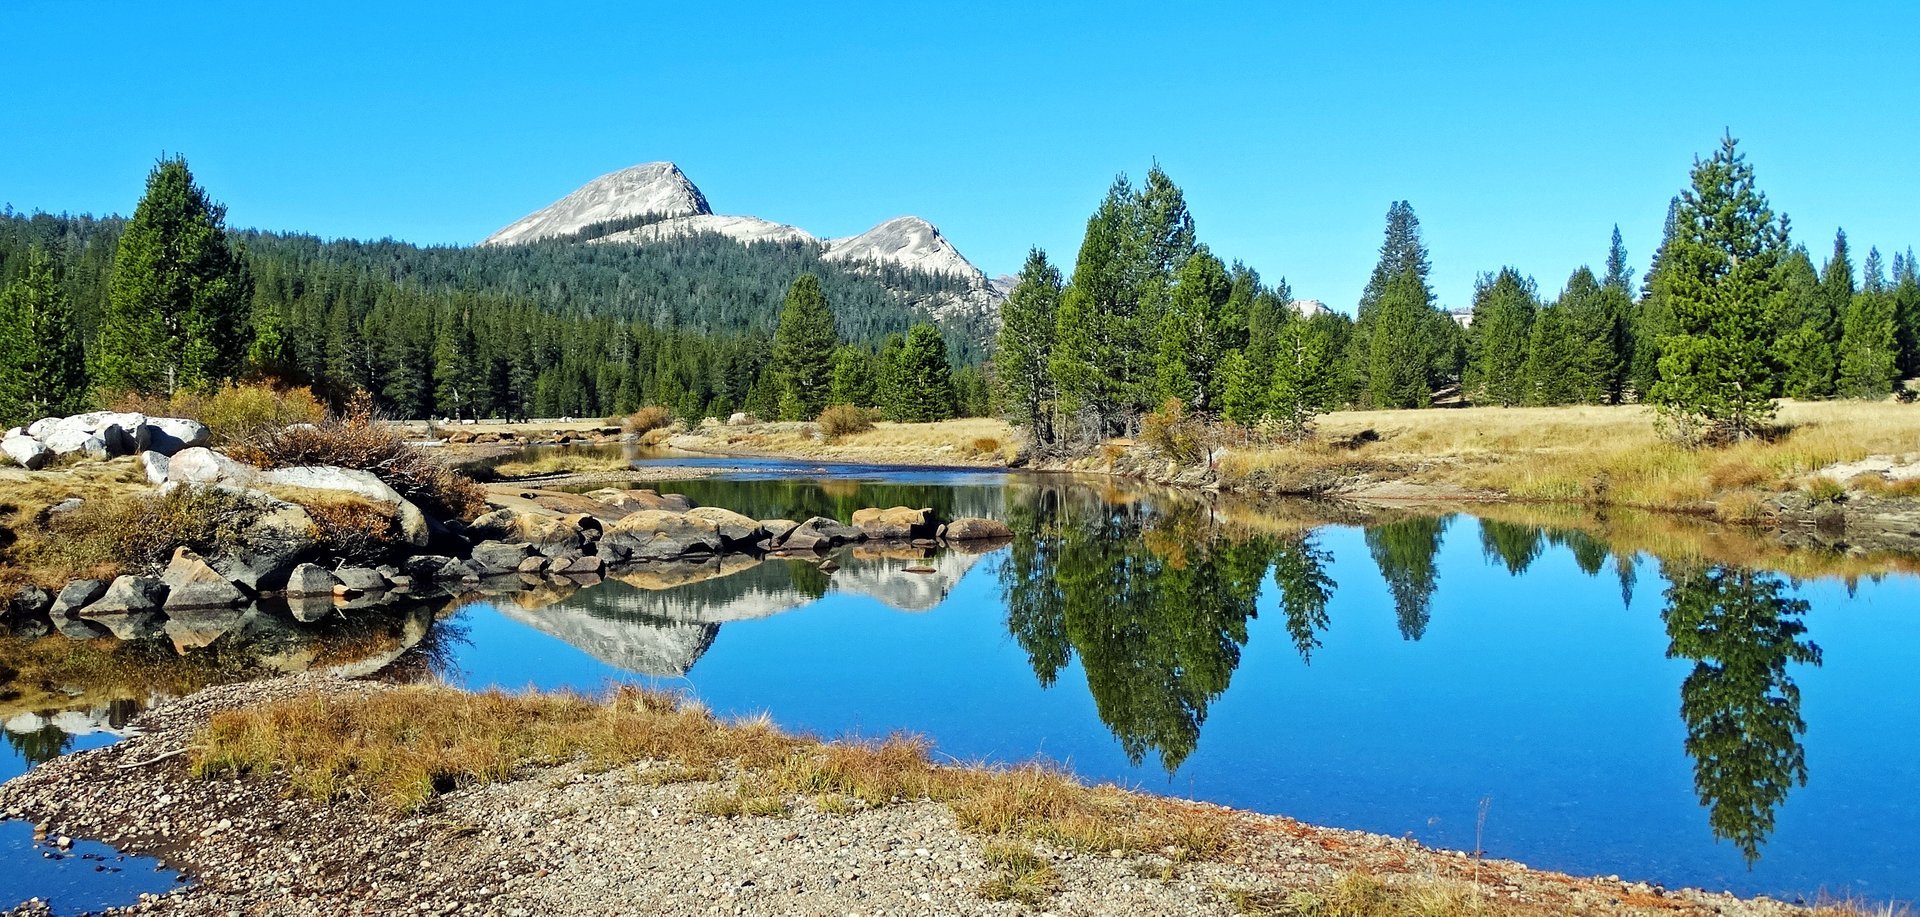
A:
[455,384]
[1906,307]
[1190,349]
[1243,396]
[1503,309]
[1718,276]
[1869,350]
[1805,342]
[1551,370]
[1652,316]
[1402,345]
[178,307]
[1596,323]
[1024,349]
[1619,275]
[1302,386]
[922,377]
[803,350]
[42,369]
[853,377]
[1095,360]
[1401,252]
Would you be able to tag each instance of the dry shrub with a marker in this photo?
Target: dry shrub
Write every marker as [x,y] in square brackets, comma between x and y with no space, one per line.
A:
[235,411]
[1176,434]
[356,531]
[985,445]
[844,420]
[360,442]
[647,419]
[136,532]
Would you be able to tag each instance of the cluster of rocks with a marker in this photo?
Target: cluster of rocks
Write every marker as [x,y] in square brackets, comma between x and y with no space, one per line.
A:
[100,434]
[640,526]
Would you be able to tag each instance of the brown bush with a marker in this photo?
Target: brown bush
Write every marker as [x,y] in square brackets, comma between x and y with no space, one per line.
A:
[985,445]
[356,531]
[1176,434]
[844,419]
[234,412]
[647,419]
[360,442]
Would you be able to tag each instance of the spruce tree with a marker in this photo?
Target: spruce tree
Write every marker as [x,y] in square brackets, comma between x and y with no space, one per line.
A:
[1836,286]
[922,377]
[179,305]
[1024,349]
[1503,309]
[1096,360]
[1906,307]
[1619,275]
[42,369]
[1301,386]
[1718,276]
[1652,317]
[1187,363]
[1402,345]
[803,349]
[456,384]
[853,377]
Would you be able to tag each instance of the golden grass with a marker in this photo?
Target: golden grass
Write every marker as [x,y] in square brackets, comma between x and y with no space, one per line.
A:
[956,442]
[120,525]
[402,747]
[1609,455]
[1359,894]
[1022,874]
[564,463]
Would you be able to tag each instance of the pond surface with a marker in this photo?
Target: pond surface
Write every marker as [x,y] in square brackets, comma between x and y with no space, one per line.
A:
[1616,696]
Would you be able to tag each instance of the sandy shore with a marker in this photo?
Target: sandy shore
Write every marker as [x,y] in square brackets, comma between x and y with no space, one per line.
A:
[565,841]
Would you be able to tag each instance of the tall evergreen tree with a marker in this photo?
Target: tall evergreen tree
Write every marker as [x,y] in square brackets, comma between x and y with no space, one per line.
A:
[1401,253]
[1553,355]
[1806,336]
[1302,381]
[178,306]
[1095,359]
[1869,349]
[1190,347]
[42,369]
[1653,316]
[1718,275]
[1619,275]
[1503,309]
[803,348]
[1906,308]
[922,377]
[1023,353]
[854,378]
[1596,324]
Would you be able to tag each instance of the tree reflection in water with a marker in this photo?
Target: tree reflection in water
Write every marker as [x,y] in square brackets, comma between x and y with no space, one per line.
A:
[1405,551]
[38,746]
[1741,708]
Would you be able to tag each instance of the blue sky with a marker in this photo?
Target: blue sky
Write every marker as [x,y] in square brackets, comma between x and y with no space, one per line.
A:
[1520,132]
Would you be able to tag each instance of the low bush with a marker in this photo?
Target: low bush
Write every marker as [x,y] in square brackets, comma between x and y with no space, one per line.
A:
[358,441]
[234,412]
[140,532]
[647,419]
[356,531]
[1176,434]
[844,420]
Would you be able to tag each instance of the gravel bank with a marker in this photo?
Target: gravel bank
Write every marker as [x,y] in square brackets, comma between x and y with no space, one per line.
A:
[561,841]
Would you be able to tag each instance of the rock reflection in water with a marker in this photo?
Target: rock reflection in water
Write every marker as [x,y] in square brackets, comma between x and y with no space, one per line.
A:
[658,619]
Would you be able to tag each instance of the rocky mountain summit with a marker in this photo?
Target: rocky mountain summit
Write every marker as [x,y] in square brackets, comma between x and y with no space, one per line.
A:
[656,189]
[655,201]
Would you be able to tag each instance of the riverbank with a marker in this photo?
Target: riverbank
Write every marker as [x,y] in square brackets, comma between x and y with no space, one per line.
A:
[538,808]
[1834,474]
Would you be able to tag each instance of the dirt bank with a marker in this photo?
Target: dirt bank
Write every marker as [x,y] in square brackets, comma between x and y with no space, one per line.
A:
[570,840]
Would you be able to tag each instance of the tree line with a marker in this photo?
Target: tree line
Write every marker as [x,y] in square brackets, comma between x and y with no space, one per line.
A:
[1731,316]
[171,299]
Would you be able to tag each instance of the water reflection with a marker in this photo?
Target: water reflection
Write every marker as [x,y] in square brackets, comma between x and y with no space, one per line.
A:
[1741,707]
[1405,551]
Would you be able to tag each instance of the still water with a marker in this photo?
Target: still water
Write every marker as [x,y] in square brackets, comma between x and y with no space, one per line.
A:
[1632,697]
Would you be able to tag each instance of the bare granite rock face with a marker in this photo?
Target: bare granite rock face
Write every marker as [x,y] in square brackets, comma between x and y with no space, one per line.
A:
[652,188]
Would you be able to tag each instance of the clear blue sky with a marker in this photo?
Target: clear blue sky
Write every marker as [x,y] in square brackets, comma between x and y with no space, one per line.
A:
[1521,132]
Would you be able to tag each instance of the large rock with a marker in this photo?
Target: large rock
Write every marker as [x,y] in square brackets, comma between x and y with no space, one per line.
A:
[104,434]
[128,595]
[735,529]
[168,435]
[659,535]
[193,583]
[30,602]
[311,580]
[26,451]
[77,595]
[361,579]
[974,528]
[277,540]
[639,500]
[490,557]
[156,467]
[200,465]
[820,533]
[413,523]
[551,536]
[895,523]
[427,568]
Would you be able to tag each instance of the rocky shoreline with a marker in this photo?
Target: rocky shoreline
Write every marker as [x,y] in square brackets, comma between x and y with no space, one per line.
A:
[567,840]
